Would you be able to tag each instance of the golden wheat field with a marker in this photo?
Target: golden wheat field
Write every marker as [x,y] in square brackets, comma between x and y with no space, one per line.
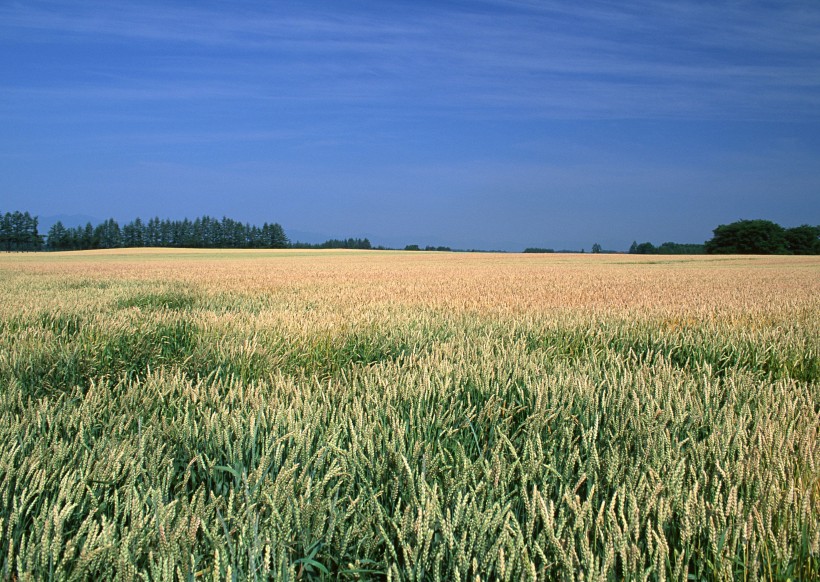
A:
[294,415]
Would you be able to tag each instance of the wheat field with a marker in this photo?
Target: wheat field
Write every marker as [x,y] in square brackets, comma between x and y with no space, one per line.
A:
[244,415]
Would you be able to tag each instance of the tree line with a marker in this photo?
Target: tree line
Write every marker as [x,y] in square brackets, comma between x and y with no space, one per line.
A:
[667,248]
[204,232]
[334,243]
[764,237]
[19,232]
[744,237]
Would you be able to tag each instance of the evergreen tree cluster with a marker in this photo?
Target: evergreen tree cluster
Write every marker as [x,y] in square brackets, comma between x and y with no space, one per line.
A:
[204,232]
[744,237]
[18,232]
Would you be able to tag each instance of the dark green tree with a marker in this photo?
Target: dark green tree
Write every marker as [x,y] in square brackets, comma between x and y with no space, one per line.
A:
[57,239]
[133,234]
[749,237]
[645,248]
[108,235]
[673,248]
[18,232]
[152,232]
[5,231]
[274,237]
[88,240]
[803,240]
[34,241]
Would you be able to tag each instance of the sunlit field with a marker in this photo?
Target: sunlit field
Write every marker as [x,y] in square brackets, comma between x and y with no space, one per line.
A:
[408,416]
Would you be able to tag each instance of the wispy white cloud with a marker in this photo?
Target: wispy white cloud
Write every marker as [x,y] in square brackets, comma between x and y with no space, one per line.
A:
[518,58]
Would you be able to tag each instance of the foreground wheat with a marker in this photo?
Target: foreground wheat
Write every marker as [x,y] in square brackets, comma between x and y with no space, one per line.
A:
[408,416]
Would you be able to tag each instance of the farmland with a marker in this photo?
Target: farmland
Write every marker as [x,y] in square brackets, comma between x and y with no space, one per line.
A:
[409,416]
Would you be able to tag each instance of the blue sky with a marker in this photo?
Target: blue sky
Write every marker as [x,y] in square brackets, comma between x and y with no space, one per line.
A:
[488,124]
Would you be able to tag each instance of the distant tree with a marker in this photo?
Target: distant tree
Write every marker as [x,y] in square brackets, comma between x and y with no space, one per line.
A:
[18,232]
[133,234]
[667,248]
[538,250]
[5,231]
[87,238]
[183,233]
[73,238]
[412,248]
[274,237]
[33,238]
[803,240]
[335,243]
[233,234]
[645,248]
[596,248]
[108,235]
[57,238]
[673,248]
[750,237]
[350,243]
